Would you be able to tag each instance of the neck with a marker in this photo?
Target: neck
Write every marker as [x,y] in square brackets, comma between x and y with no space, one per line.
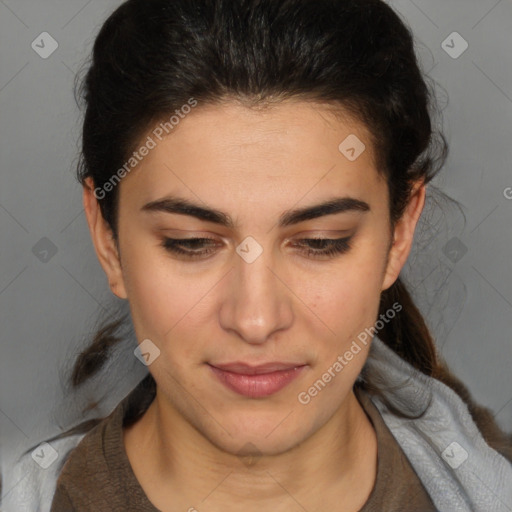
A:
[337,462]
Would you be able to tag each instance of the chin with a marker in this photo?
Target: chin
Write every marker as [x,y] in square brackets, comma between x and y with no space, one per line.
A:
[253,435]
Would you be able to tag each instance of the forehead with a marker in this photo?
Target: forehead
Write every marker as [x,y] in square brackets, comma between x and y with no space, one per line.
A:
[228,149]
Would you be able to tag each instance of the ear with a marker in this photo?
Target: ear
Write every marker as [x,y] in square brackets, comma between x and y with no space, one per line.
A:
[103,239]
[404,234]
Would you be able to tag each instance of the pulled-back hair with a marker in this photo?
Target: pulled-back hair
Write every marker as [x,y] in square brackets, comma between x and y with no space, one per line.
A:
[152,56]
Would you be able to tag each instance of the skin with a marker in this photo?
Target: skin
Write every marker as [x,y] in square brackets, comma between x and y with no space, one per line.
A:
[285,306]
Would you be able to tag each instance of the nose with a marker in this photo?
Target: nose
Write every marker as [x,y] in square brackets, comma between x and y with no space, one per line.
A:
[257,303]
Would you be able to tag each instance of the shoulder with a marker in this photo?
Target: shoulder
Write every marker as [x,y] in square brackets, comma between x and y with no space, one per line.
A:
[56,469]
[30,482]
[88,468]
[439,436]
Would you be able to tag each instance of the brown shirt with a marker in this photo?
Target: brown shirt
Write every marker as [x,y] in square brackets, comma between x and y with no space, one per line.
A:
[98,477]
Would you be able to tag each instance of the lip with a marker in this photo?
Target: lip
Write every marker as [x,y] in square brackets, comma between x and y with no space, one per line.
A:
[257,381]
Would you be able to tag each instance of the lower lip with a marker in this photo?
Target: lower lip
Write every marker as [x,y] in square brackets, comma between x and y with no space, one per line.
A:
[257,386]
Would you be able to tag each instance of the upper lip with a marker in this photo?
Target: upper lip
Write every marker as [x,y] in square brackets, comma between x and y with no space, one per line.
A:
[247,369]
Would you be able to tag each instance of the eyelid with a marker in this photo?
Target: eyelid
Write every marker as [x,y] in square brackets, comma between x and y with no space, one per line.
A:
[333,247]
[323,233]
[331,234]
[187,234]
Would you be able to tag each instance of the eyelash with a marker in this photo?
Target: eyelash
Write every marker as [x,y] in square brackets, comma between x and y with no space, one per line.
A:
[335,246]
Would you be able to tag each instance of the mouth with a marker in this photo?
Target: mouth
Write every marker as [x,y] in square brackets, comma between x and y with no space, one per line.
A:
[257,381]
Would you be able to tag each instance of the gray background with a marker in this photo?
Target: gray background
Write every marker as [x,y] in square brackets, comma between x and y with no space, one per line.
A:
[460,273]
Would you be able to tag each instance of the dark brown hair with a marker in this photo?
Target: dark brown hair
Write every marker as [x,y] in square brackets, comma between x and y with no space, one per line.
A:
[151,56]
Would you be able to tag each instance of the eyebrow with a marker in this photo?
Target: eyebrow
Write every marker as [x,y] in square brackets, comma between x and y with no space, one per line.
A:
[182,206]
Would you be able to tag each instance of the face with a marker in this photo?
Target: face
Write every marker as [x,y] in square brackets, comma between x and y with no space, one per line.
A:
[256,277]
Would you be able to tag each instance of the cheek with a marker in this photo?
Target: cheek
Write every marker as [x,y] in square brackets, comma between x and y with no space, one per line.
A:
[345,299]
[158,296]
[168,306]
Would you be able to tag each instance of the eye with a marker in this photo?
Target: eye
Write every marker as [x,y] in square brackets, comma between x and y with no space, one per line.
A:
[318,247]
[190,247]
[200,247]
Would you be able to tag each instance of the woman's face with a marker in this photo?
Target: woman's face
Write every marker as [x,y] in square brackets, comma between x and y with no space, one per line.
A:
[255,293]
